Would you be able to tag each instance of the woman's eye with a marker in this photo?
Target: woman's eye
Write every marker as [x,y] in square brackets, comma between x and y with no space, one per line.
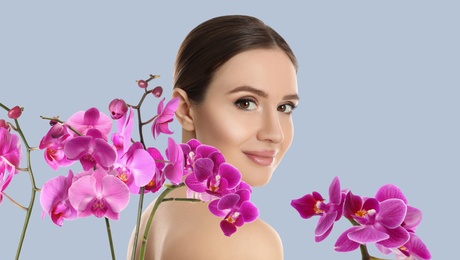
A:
[246,104]
[286,108]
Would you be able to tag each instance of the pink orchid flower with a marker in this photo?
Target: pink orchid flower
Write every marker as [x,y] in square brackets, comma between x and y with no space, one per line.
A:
[91,150]
[165,115]
[53,144]
[415,246]
[236,209]
[313,204]
[158,178]
[10,151]
[54,199]
[122,138]
[379,222]
[135,168]
[174,170]
[82,121]
[210,173]
[100,194]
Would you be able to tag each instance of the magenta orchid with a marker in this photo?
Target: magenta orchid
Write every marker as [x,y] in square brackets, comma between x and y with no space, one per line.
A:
[414,246]
[100,194]
[165,115]
[380,223]
[135,168]
[175,168]
[53,143]
[313,204]
[122,138]
[158,178]
[236,209]
[82,121]
[386,221]
[10,151]
[91,150]
[210,172]
[54,199]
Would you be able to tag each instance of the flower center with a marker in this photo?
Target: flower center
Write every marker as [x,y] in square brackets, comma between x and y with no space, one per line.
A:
[361,213]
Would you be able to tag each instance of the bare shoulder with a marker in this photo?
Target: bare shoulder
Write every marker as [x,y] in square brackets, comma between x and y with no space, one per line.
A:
[197,235]
[184,230]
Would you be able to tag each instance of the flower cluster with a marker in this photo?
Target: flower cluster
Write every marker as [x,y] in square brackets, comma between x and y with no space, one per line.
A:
[113,166]
[386,220]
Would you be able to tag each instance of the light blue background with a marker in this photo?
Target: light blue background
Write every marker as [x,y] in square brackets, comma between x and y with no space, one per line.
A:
[379,86]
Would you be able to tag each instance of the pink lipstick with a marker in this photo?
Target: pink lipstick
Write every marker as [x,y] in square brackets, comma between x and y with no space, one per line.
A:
[261,158]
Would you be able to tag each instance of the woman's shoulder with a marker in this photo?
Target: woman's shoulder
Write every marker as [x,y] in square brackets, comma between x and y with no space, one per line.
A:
[184,230]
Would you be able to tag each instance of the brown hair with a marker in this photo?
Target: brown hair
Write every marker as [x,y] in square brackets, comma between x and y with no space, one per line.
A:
[215,41]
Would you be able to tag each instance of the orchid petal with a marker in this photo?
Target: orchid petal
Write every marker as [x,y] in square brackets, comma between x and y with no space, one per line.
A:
[390,191]
[417,247]
[344,244]
[305,206]
[325,222]
[77,147]
[367,234]
[392,213]
[203,169]
[335,195]
[397,237]
[231,174]
[249,211]
[227,228]
[228,201]
[115,192]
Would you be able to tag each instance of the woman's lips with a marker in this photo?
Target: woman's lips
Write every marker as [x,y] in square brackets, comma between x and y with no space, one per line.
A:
[262,158]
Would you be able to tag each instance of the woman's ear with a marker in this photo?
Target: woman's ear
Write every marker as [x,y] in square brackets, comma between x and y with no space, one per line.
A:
[183,111]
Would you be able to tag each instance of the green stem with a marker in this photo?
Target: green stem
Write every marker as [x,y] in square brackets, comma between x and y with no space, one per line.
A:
[109,233]
[33,192]
[182,199]
[14,202]
[159,200]
[138,222]
[364,252]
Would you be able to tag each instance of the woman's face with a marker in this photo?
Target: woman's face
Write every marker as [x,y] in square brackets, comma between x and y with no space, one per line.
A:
[246,112]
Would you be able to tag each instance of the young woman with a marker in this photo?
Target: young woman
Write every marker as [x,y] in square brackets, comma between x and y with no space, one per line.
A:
[237,84]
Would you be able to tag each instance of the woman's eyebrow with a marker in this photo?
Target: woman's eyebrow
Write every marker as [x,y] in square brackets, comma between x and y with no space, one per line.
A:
[260,93]
[291,97]
[256,91]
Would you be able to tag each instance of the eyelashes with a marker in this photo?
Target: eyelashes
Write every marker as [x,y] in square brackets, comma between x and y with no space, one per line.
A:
[249,104]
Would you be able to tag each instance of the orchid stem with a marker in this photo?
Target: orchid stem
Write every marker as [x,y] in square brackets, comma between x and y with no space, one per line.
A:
[33,190]
[138,222]
[109,233]
[152,213]
[182,199]
[15,202]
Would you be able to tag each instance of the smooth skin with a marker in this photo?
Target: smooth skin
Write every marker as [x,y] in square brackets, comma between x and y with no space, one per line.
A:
[246,114]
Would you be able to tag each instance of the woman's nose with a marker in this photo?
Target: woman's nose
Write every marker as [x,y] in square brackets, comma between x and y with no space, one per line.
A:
[270,128]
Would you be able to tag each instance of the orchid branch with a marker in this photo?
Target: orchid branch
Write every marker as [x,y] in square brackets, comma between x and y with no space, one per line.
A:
[109,233]
[152,213]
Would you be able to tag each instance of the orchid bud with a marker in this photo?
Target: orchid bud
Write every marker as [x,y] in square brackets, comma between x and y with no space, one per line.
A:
[142,83]
[58,130]
[3,124]
[157,91]
[118,108]
[15,112]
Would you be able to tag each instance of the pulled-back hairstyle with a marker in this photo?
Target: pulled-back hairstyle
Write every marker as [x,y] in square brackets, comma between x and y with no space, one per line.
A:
[209,45]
